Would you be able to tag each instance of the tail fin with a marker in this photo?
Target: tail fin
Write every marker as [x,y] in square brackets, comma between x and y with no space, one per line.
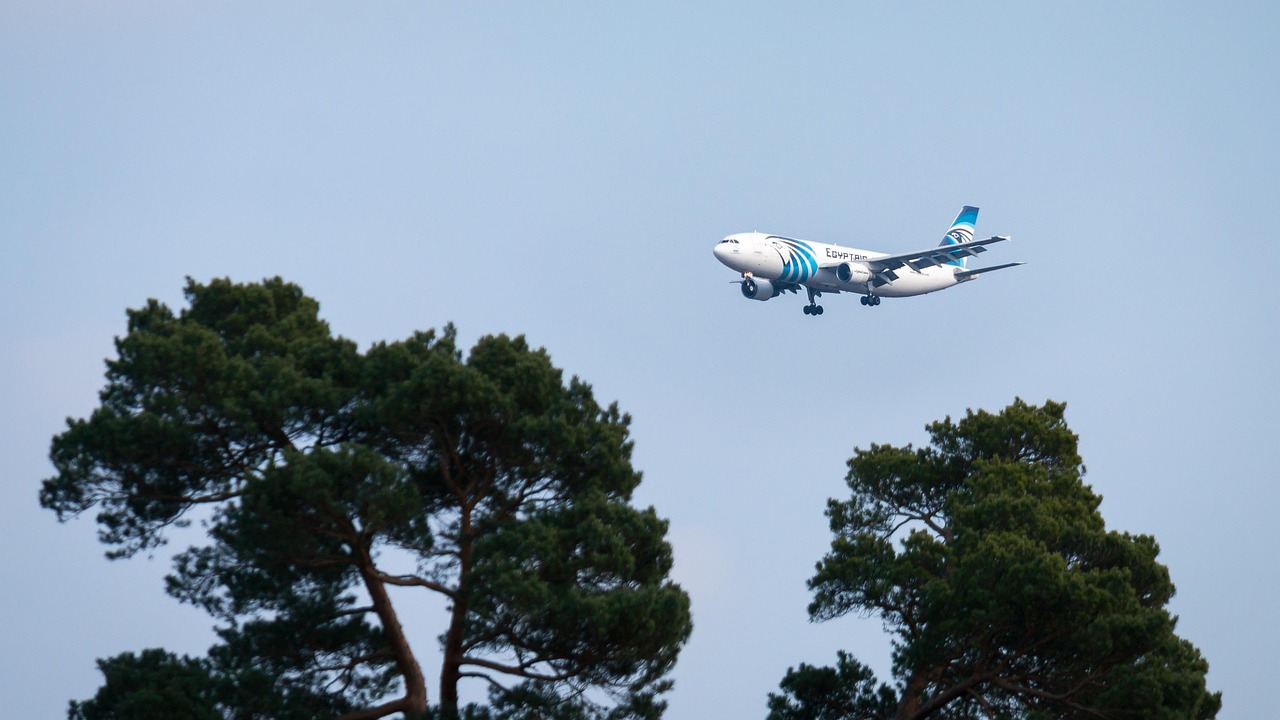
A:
[961,231]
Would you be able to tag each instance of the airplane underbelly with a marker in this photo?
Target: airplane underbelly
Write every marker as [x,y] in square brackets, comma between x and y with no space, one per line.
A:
[910,283]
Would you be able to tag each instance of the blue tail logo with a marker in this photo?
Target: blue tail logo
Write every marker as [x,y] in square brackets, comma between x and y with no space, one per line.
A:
[961,232]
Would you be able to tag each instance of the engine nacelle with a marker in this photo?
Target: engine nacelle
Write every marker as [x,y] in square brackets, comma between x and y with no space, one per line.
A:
[853,273]
[758,289]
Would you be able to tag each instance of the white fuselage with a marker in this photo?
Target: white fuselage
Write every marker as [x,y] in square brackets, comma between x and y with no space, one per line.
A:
[815,265]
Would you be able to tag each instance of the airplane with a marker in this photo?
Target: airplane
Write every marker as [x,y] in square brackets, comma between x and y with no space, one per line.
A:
[773,264]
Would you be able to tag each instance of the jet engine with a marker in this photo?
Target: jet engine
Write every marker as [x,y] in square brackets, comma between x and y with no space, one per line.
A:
[758,289]
[853,273]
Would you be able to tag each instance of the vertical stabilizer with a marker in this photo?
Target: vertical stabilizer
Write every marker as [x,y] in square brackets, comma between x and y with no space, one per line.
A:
[961,231]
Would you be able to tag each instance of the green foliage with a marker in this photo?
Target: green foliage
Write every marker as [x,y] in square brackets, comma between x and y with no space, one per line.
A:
[508,489]
[195,405]
[986,557]
[158,684]
[848,691]
[154,685]
[535,701]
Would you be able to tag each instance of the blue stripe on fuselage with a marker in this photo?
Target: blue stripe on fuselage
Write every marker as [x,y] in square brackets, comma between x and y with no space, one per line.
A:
[800,262]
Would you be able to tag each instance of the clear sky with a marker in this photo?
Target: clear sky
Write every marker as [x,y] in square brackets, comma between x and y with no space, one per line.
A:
[562,170]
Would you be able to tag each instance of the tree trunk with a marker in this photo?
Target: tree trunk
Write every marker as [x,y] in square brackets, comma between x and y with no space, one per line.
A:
[909,705]
[451,670]
[414,702]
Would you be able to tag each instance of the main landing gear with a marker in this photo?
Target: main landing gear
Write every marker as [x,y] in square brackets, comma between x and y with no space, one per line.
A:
[813,308]
[870,300]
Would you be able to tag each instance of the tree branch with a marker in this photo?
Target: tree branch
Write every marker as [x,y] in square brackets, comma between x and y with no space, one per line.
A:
[355,662]
[414,581]
[521,670]
[383,710]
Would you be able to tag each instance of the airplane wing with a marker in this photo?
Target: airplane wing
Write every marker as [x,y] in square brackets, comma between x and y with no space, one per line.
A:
[883,267]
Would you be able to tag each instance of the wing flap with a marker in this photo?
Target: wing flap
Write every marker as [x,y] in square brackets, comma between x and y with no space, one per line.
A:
[884,277]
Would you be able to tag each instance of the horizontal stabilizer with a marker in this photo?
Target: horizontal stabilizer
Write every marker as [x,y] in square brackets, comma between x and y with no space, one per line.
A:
[970,274]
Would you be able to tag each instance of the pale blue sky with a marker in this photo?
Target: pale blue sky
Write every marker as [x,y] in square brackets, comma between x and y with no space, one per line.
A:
[563,170]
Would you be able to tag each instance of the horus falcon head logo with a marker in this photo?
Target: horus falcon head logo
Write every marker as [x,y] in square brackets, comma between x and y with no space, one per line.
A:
[798,260]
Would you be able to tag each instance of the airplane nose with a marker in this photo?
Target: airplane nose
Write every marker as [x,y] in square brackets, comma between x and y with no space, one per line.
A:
[721,251]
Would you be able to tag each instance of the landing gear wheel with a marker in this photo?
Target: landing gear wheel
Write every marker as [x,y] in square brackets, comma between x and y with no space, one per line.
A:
[866,300]
[875,299]
[813,308]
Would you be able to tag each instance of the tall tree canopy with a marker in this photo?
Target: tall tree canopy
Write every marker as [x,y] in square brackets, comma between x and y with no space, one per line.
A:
[507,487]
[986,558]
